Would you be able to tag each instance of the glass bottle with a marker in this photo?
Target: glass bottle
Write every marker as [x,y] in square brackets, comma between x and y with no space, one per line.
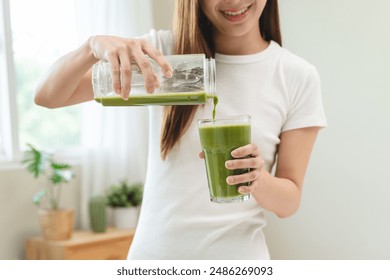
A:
[192,82]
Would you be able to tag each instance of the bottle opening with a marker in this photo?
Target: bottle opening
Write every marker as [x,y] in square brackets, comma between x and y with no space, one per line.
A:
[209,76]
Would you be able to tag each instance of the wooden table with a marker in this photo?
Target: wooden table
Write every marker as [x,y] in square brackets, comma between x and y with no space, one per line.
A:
[84,245]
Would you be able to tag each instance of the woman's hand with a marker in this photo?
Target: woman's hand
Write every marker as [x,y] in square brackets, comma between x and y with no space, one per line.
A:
[279,193]
[246,157]
[121,53]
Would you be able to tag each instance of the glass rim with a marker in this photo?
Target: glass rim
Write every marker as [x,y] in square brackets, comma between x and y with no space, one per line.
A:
[226,119]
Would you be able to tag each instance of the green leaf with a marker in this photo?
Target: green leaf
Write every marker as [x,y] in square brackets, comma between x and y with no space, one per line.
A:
[35,161]
[125,194]
[61,176]
[41,163]
[60,166]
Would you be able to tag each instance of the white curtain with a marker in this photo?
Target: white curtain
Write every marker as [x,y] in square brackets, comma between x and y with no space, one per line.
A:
[114,138]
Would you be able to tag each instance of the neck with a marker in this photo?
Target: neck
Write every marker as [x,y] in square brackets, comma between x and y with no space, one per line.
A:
[239,45]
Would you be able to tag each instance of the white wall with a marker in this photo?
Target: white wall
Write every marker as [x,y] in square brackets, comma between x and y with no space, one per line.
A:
[18,215]
[345,209]
[162,13]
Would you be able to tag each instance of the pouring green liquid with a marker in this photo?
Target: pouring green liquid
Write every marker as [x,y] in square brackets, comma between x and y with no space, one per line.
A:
[177,98]
[215,100]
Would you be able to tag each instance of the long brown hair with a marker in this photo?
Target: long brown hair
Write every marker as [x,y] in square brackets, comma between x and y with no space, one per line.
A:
[192,33]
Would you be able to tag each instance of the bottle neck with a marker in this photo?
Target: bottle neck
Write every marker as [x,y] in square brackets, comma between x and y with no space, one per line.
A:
[209,76]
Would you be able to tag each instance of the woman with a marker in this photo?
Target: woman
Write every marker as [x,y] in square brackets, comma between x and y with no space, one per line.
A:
[255,76]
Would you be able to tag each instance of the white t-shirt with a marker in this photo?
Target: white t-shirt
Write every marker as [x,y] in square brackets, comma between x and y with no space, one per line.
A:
[281,92]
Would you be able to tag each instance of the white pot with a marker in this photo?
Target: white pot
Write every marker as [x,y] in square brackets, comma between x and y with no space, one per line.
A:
[125,217]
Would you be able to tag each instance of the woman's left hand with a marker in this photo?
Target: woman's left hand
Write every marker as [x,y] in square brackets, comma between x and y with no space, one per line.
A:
[246,157]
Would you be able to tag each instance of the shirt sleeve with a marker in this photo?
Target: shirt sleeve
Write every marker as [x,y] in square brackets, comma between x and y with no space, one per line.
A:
[306,108]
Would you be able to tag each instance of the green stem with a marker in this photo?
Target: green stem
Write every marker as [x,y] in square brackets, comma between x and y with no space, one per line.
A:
[59,190]
[53,196]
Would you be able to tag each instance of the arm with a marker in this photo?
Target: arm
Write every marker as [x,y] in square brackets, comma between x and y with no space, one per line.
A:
[281,193]
[68,81]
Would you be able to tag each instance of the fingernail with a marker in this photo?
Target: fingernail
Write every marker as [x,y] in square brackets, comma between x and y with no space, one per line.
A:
[150,89]
[168,74]
[234,153]
[229,180]
[241,190]
[228,164]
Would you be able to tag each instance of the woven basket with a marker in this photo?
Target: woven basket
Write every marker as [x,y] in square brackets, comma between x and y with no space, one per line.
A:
[56,224]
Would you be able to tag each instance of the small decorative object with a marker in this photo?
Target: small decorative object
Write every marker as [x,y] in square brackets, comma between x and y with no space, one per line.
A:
[125,199]
[97,213]
[56,223]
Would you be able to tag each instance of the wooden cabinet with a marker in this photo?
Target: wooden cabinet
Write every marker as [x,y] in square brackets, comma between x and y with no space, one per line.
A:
[84,245]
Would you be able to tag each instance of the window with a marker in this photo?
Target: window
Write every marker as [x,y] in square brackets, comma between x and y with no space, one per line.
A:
[7,99]
[34,34]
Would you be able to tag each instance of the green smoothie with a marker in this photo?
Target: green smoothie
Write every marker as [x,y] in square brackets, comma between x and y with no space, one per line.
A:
[215,100]
[218,141]
[182,98]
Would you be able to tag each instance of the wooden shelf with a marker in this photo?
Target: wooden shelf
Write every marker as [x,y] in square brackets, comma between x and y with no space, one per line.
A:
[84,245]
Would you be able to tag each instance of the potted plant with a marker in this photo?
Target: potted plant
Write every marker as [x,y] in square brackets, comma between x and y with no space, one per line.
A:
[56,222]
[125,200]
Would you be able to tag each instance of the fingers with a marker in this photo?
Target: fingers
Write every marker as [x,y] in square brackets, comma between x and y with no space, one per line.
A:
[246,184]
[150,78]
[246,157]
[115,72]
[121,53]
[249,162]
[146,69]
[244,178]
[160,59]
[247,150]
[248,189]
[125,76]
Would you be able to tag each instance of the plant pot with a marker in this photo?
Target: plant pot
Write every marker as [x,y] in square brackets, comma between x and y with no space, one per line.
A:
[125,217]
[56,224]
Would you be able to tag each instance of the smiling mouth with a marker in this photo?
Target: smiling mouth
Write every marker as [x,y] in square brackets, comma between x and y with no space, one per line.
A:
[237,13]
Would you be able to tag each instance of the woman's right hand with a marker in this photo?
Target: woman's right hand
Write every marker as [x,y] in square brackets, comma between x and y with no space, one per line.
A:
[121,53]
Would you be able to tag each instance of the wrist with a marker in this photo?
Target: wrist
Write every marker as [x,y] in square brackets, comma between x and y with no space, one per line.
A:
[278,195]
[88,50]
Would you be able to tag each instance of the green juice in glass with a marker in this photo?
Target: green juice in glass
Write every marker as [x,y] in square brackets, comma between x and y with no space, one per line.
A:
[218,139]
